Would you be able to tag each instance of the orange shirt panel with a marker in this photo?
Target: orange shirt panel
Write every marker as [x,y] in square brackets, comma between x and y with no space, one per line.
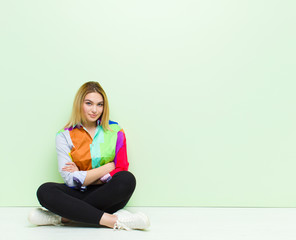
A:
[80,152]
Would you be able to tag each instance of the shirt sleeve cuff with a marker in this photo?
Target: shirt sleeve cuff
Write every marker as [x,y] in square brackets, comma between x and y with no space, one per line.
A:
[106,178]
[78,178]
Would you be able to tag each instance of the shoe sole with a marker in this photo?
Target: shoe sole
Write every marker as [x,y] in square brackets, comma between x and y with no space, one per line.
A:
[146,220]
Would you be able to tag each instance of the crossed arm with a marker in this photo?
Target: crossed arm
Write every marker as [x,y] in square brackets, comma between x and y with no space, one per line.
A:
[92,176]
[74,177]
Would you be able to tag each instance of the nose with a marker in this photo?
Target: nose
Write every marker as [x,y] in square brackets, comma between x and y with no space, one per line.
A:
[94,109]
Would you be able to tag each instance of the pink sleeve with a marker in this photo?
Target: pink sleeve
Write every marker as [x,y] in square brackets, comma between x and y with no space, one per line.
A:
[120,160]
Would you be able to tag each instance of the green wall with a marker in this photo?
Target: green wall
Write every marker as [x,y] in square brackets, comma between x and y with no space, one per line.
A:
[205,91]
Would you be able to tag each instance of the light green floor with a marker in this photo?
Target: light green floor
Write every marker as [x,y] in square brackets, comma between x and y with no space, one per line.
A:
[166,223]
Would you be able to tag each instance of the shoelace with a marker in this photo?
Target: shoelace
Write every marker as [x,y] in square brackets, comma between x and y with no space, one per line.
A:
[53,219]
[118,225]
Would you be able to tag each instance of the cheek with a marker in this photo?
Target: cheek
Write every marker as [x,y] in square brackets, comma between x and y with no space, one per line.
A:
[85,109]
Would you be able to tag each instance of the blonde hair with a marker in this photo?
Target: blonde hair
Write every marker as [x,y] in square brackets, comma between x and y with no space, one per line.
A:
[77,117]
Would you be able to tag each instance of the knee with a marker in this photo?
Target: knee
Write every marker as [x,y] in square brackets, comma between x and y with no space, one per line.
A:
[44,191]
[127,179]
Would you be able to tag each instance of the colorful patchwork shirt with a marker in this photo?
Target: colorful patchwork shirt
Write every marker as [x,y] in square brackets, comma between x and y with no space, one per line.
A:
[75,144]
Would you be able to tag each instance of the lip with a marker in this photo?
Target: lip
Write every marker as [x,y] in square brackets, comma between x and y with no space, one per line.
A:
[93,116]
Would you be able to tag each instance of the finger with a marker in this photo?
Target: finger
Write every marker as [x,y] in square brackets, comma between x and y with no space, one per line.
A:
[67,168]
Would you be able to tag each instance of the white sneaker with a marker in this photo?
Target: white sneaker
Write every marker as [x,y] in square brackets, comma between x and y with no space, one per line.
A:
[128,221]
[122,212]
[39,216]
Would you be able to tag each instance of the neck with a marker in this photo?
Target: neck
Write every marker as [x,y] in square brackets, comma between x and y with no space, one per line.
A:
[90,125]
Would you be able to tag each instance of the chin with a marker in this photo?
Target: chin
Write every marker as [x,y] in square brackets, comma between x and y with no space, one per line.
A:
[91,119]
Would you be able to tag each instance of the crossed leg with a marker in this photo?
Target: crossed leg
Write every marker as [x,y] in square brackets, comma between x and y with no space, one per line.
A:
[95,205]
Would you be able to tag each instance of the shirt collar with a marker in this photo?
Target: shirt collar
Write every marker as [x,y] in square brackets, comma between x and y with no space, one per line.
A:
[99,121]
[79,125]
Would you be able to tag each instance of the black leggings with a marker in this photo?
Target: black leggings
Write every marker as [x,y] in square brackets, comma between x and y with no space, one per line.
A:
[88,206]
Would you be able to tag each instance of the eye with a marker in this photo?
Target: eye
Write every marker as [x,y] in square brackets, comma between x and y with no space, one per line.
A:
[100,104]
[88,103]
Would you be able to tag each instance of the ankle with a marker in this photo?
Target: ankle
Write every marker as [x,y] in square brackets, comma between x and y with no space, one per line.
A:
[65,220]
[108,220]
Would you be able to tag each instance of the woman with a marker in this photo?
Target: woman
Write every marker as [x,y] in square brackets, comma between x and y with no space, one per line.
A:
[92,160]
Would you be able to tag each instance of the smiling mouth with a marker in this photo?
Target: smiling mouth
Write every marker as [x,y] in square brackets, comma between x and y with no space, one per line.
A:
[93,116]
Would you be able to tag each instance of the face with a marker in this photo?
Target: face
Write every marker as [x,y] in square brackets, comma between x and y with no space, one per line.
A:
[93,106]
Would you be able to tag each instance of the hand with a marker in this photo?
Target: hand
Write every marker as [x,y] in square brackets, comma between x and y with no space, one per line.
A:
[70,167]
